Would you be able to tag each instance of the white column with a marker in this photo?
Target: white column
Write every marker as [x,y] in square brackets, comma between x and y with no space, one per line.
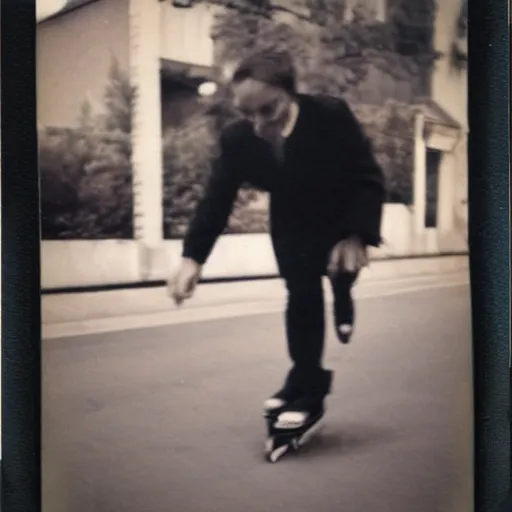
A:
[420,174]
[147,130]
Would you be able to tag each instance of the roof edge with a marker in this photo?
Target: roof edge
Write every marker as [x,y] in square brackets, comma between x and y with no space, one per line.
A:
[72,6]
[439,113]
[449,118]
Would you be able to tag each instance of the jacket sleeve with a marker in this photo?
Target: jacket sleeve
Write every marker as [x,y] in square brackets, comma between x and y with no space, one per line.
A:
[213,210]
[365,183]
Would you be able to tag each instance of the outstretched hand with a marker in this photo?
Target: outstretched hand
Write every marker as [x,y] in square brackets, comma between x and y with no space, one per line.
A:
[183,284]
[348,255]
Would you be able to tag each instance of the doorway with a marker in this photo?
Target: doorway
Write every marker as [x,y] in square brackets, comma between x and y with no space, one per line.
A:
[432,188]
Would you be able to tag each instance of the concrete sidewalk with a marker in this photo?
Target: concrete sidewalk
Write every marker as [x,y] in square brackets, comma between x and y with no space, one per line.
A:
[94,312]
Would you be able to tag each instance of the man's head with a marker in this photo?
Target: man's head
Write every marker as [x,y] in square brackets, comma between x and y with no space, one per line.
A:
[264,88]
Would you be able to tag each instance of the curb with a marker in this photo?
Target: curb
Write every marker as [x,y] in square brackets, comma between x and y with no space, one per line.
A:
[83,307]
[214,311]
[398,266]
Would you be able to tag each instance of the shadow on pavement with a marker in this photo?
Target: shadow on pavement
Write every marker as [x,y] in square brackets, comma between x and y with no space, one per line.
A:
[348,440]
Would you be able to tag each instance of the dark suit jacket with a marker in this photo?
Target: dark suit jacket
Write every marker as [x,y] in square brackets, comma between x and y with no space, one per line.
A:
[327,187]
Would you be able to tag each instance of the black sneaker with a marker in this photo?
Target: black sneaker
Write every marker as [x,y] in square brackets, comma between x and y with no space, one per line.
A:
[287,394]
[344,332]
[309,405]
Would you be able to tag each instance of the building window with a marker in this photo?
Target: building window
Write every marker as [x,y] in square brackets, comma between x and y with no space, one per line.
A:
[432,188]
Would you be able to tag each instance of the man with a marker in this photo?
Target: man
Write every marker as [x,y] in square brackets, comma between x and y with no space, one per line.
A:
[326,195]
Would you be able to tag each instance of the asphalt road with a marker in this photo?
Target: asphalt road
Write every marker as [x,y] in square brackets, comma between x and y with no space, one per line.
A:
[169,418]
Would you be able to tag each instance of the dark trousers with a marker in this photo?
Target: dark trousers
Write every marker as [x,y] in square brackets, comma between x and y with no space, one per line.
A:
[305,319]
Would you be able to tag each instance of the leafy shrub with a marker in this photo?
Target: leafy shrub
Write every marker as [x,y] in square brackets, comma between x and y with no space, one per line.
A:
[390,129]
[86,189]
[188,153]
[334,57]
[86,175]
[247,220]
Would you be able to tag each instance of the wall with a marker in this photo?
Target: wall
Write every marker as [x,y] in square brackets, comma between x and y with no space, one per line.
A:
[84,262]
[113,262]
[449,86]
[74,53]
[450,91]
[179,31]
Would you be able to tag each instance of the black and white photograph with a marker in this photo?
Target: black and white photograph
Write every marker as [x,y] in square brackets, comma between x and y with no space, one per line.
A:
[254,255]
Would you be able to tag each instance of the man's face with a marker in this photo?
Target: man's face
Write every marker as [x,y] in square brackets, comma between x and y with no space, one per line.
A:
[266,107]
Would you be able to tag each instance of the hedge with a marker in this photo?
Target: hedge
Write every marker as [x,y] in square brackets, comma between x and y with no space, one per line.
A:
[86,185]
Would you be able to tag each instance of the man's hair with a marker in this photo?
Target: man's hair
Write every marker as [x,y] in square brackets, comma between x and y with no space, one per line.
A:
[270,67]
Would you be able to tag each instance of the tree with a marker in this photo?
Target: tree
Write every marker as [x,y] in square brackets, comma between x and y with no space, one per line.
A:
[390,128]
[119,100]
[335,57]
[332,56]
[86,175]
[459,50]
